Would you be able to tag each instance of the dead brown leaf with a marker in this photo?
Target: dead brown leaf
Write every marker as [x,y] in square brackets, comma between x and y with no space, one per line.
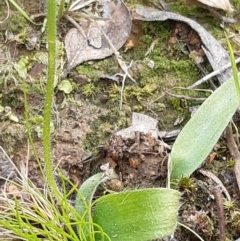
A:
[94,45]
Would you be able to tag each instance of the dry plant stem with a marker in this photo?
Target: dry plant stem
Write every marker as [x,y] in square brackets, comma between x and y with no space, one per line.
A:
[71,20]
[214,73]
[121,63]
[185,97]
[237,133]
[8,12]
[10,160]
[233,149]
[220,212]
[76,5]
[164,5]
[216,180]
[152,46]
[219,16]
[88,16]
[38,15]
[123,66]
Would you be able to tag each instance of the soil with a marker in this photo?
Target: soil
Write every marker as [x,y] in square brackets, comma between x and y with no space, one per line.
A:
[85,124]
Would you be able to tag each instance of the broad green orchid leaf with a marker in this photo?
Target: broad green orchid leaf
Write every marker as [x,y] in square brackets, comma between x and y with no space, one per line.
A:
[87,190]
[85,196]
[203,130]
[137,215]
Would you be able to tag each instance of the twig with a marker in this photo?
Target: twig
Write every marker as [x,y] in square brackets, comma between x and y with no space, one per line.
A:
[124,76]
[8,12]
[71,20]
[233,149]
[121,63]
[185,97]
[78,5]
[164,5]
[38,15]
[219,16]
[152,46]
[220,212]
[214,73]
[216,180]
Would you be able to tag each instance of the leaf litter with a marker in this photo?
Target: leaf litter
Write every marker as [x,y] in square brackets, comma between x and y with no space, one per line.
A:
[137,158]
[94,45]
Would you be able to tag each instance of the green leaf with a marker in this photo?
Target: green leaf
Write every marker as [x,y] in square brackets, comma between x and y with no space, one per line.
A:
[65,86]
[203,130]
[21,67]
[234,68]
[88,188]
[85,196]
[138,215]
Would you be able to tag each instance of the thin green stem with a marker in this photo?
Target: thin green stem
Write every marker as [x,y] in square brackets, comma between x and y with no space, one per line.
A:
[51,40]
[28,127]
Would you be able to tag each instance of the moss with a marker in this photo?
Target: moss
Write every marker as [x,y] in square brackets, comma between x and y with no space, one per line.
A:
[89,90]
[157,29]
[236,4]
[146,39]
[177,104]
[114,93]
[15,23]
[230,163]
[37,87]
[86,69]
[187,184]
[36,120]
[95,71]
[200,15]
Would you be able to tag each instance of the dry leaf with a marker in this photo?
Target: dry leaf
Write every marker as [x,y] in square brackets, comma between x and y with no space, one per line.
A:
[221,4]
[94,45]
[134,162]
[140,123]
[211,157]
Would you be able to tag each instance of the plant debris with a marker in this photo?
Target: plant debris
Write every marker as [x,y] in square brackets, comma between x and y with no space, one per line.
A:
[93,45]
[216,54]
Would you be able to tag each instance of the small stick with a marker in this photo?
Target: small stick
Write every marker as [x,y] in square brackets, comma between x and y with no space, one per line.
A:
[220,212]
[71,20]
[185,97]
[214,73]
[78,5]
[164,5]
[216,180]
[233,149]
[8,12]
[219,16]
[121,63]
